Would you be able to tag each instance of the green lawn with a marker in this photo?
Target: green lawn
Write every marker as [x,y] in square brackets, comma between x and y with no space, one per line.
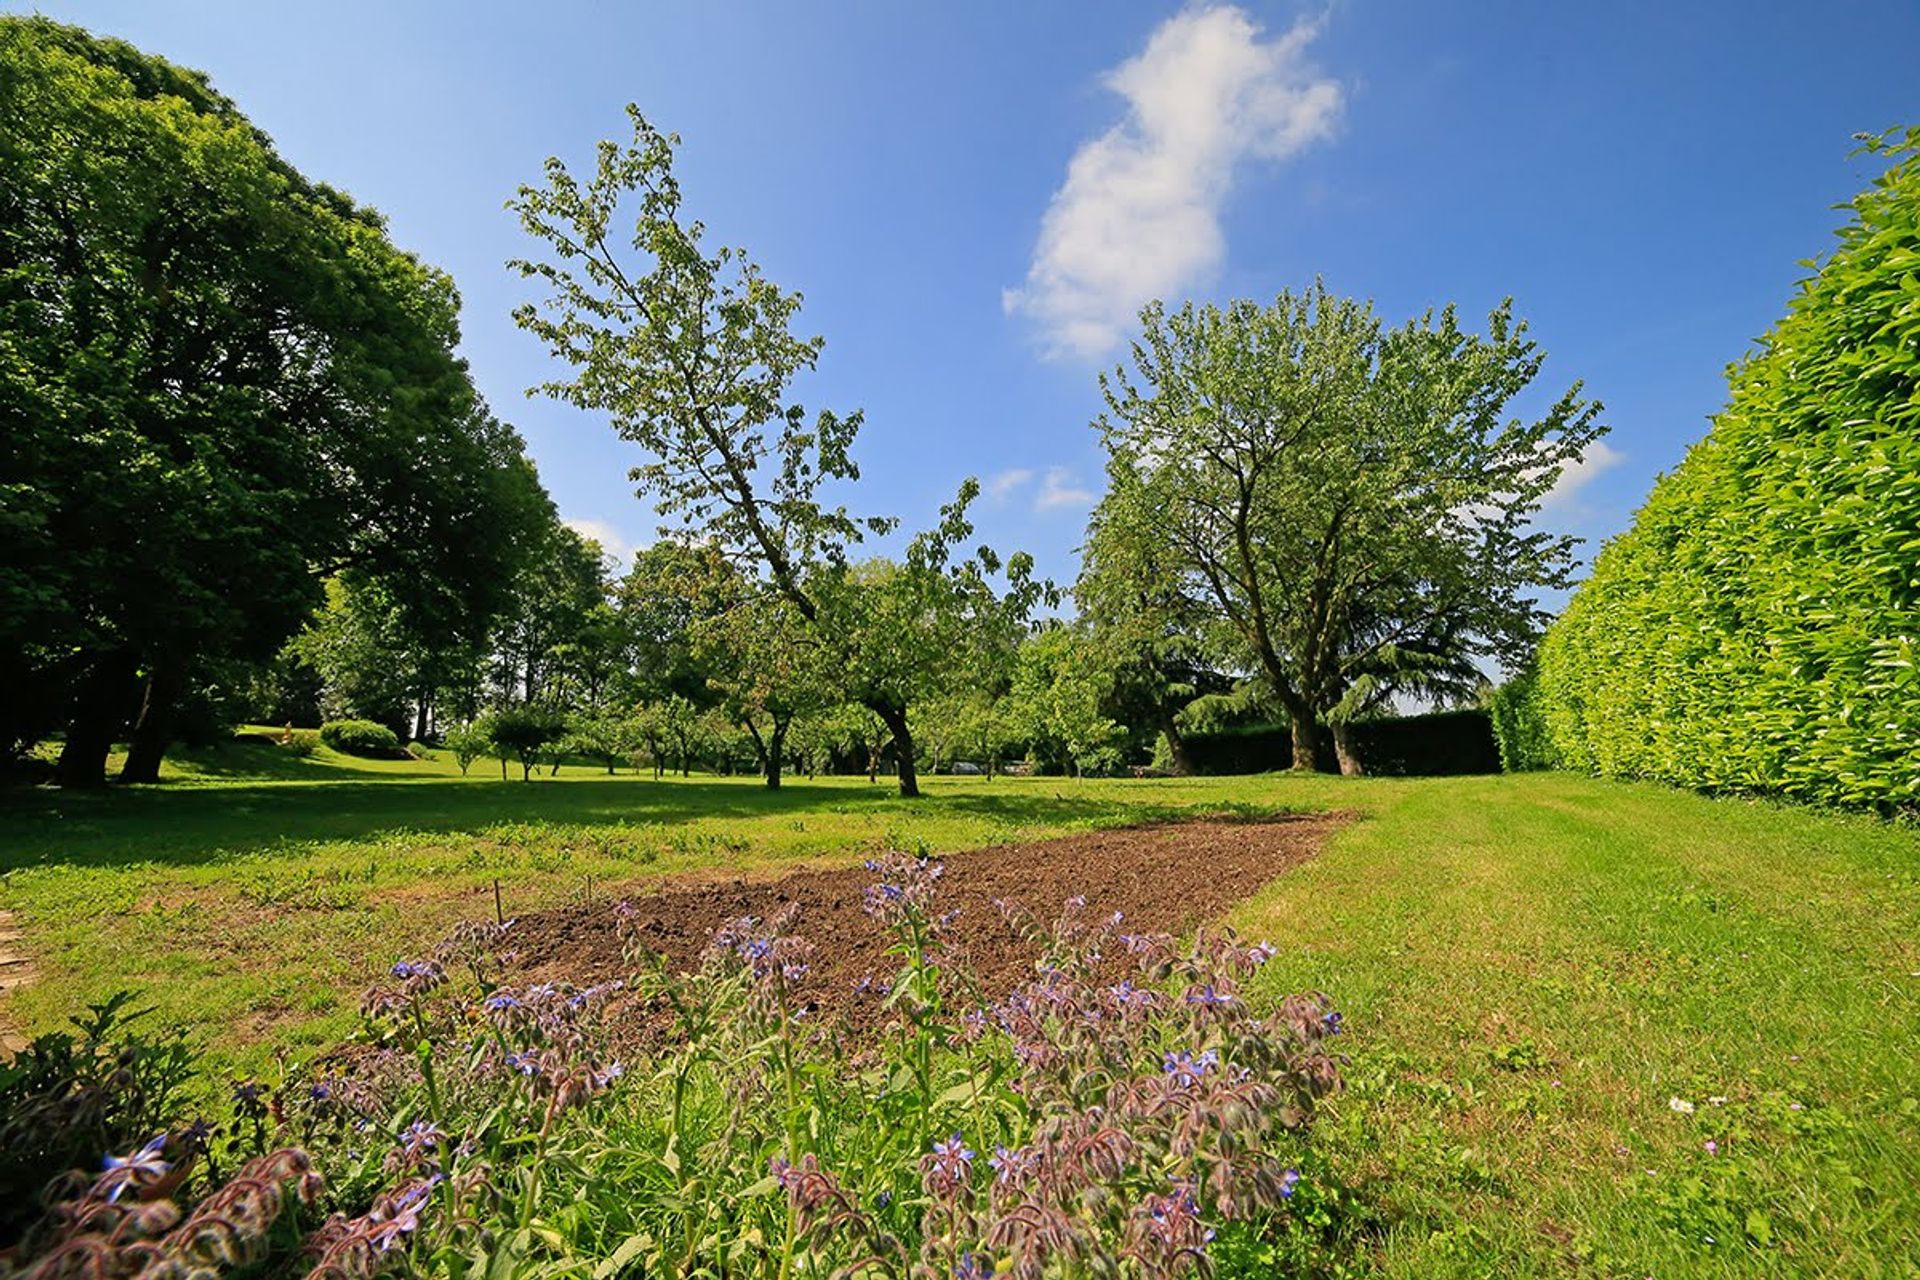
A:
[1533,969]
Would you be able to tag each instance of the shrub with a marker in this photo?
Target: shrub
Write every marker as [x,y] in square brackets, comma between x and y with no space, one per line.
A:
[1520,725]
[1754,629]
[360,738]
[303,742]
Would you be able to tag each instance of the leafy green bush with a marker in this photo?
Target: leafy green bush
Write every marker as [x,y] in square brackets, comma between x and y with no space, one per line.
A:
[1520,725]
[1754,630]
[360,738]
[303,742]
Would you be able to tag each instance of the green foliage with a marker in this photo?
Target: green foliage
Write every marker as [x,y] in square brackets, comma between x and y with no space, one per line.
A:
[303,742]
[1520,724]
[66,1098]
[360,738]
[1754,629]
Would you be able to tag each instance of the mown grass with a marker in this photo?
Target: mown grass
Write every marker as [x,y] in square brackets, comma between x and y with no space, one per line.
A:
[1532,967]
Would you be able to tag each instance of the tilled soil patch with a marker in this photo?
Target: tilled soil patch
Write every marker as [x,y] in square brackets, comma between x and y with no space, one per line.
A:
[1166,877]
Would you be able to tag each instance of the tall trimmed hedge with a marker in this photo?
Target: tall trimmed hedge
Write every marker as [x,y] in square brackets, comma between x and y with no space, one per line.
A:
[1758,628]
[1444,742]
[1520,725]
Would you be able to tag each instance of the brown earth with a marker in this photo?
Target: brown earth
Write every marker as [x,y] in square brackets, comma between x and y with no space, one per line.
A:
[1166,877]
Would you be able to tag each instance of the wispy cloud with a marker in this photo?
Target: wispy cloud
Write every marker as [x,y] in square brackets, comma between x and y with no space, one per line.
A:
[1138,216]
[1059,488]
[611,540]
[1577,475]
[1001,485]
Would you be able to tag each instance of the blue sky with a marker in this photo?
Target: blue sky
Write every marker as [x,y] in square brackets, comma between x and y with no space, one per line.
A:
[1642,178]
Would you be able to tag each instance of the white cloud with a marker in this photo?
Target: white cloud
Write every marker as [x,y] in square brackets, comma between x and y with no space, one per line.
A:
[1059,488]
[1575,476]
[1001,486]
[1138,216]
[611,540]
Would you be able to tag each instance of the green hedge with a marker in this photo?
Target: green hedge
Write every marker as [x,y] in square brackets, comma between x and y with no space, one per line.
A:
[360,738]
[1445,742]
[1758,628]
[1520,725]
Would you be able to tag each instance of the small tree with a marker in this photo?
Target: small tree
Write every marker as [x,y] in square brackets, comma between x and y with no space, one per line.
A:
[467,742]
[693,354]
[524,732]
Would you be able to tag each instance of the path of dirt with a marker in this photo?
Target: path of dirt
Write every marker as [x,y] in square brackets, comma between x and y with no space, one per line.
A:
[1164,877]
[16,970]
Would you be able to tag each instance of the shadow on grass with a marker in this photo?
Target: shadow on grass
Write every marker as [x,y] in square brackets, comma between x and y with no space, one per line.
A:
[188,825]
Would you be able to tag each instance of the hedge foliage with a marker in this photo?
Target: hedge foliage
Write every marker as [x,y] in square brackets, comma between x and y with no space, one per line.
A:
[1445,742]
[1756,628]
[1520,725]
[360,738]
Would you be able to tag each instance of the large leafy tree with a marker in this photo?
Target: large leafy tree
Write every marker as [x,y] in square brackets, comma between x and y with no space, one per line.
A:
[219,383]
[1343,508]
[692,355]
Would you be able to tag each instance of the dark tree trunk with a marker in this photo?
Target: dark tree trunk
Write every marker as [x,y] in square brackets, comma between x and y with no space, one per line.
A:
[1306,742]
[895,718]
[1346,751]
[776,747]
[98,714]
[1181,762]
[153,731]
[420,720]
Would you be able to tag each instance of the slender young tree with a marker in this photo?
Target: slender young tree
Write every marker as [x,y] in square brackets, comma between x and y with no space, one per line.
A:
[693,355]
[1343,508]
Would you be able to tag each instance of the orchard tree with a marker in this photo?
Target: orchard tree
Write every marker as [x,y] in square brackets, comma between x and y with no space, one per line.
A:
[692,355]
[1344,508]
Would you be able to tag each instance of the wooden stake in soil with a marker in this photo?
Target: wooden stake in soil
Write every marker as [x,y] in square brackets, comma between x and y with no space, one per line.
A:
[499,915]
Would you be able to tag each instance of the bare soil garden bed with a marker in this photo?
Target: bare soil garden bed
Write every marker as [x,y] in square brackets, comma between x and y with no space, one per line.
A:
[1165,877]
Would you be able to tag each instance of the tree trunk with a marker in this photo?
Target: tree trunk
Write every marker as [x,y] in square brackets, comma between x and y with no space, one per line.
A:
[776,744]
[1306,742]
[153,731]
[96,718]
[1347,751]
[420,720]
[895,718]
[1181,762]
